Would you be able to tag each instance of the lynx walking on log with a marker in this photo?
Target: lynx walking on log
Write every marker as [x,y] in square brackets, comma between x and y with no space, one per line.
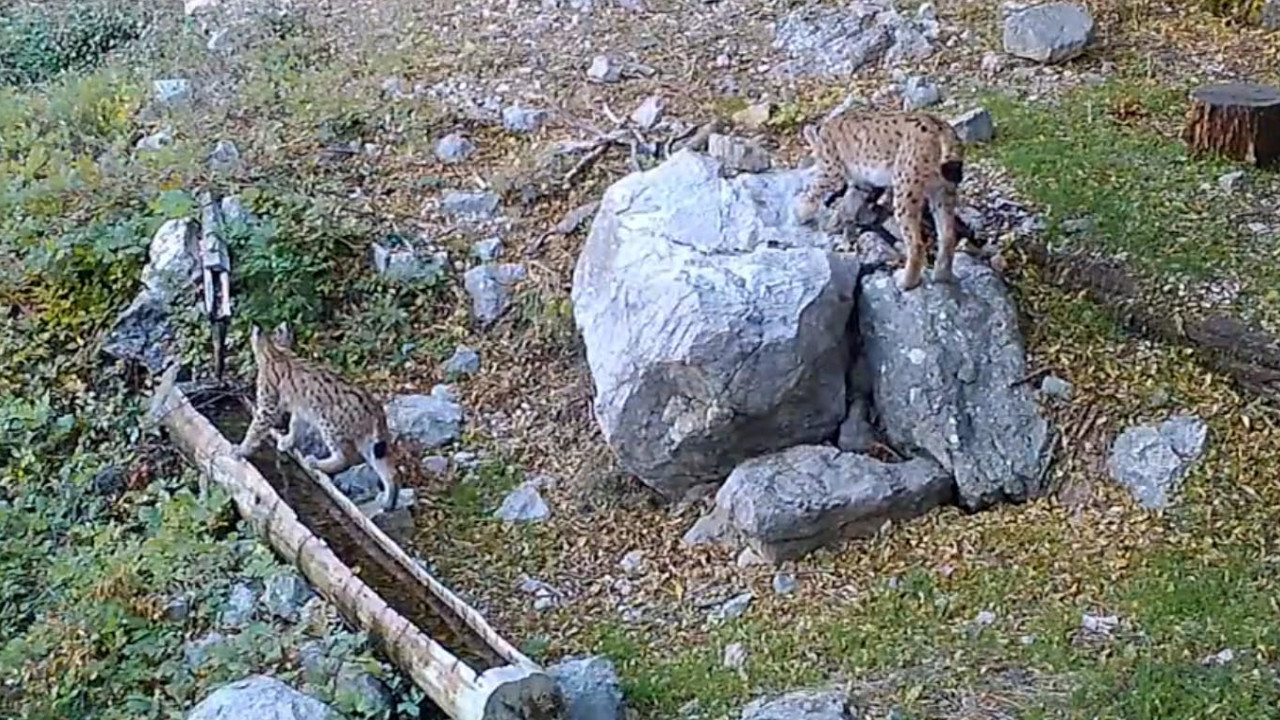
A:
[350,421]
[918,156]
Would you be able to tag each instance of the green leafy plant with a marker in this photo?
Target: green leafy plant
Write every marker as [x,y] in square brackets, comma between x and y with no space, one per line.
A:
[38,42]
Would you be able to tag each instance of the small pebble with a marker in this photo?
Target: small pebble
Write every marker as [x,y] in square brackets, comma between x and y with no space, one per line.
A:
[785,583]
[735,656]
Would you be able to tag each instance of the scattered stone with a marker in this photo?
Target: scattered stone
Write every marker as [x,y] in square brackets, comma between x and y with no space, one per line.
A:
[1270,17]
[401,262]
[465,203]
[975,126]
[157,140]
[1226,656]
[1099,625]
[285,594]
[454,148]
[993,63]
[633,563]
[360,689]
[464,361]
[238,609]
[487,250]
[754,116]
[234,212]
[172,91]
[1053,32]
[435,465]
[789,503]
[259,698]
[225,157]
[749,558]
[985,618]
[710,529]
[957,348]
[1079,225]
[785,583]
[108,482]
[1027,640]
[1054,386]
[575,217]
[196,652]
[220,41]
[732,608]
[144,334]
[1151,460]
[490,289]
[178,609]
[718,283]
[804,705]
[359,483]
[735,656]
[918,92]
[590,688]
[838,40]
[518,119]
[429,420]
[648,114]
[523,505]
[171,268]
[194,7]
[603,69]
[1231,181]
[317,666]
[738,154]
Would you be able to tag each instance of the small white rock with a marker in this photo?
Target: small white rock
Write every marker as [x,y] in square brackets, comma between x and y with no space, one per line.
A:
[604,70]
[984,618]
[735,656]
[633,562]
[649,113]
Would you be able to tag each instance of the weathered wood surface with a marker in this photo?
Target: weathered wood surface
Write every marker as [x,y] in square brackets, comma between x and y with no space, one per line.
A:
[517,691]
[1240,121]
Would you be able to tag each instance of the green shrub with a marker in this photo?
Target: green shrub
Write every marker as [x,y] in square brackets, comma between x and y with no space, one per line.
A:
[37,43]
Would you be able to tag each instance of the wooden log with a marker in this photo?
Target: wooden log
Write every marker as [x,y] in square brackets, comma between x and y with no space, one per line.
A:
[1240,121]
[517,691]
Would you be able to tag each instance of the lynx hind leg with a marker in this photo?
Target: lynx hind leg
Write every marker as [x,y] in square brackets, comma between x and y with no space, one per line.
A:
[377,455]
[340,455]
[908,210]
[943,205]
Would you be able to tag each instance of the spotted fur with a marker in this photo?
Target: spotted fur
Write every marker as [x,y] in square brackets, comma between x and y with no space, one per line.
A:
[351,422]
[915,155]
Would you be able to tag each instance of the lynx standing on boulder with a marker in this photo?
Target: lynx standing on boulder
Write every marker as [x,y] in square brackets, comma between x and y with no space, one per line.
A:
[350,421]
[916,155]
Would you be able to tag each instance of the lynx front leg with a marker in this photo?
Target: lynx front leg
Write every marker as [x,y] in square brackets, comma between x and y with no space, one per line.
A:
[265,414]
[943,205]
[829,179]
[908,210]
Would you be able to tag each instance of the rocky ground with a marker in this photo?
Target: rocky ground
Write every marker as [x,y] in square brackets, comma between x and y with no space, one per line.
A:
[416,182]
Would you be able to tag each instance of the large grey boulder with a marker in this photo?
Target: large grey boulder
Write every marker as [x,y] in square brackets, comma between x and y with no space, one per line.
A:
[802,705]
[259,698]
[714,325]
[1050,33]
[789,503]
[430,420]
[1151,460]
[171,259]
[144,334]
[946,364]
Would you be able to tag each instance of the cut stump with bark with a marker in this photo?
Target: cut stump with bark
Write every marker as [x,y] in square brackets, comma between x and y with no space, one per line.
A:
[1238,120]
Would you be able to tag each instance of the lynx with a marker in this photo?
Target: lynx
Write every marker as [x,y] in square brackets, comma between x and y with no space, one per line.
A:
[350,421]
[916,156]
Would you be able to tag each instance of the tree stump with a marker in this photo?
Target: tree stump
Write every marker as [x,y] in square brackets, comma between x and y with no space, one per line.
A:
[1238,120]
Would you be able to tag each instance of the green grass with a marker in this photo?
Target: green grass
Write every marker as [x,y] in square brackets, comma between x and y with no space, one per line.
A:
[1138,191]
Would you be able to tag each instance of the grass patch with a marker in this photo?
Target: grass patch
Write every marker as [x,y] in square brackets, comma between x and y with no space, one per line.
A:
[1109,181]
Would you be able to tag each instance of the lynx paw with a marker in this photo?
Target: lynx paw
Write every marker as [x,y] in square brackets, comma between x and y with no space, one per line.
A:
[905,281]
[311,461]
[240,452]
[284,444]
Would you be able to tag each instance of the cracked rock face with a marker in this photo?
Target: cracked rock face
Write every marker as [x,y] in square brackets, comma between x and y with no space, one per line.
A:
[714,325]
[946,364]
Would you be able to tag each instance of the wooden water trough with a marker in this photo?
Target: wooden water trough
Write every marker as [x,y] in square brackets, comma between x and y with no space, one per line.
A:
[445,646]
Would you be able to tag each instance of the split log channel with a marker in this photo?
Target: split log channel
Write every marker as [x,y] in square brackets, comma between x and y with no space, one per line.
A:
[445,646]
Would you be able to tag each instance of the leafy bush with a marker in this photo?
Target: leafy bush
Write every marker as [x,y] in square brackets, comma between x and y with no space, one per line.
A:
[37,43]
[1244,10]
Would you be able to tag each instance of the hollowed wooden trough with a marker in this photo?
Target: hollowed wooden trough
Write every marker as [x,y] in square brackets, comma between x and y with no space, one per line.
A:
[345,556]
